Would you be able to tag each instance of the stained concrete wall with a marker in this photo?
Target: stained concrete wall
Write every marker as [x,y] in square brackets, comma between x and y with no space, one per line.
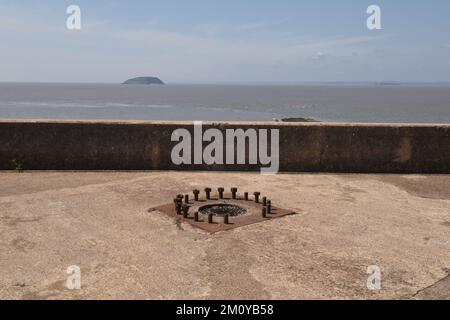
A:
[304,147]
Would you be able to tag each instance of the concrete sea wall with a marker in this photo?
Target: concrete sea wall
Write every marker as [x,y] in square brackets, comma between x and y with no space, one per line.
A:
[303,147]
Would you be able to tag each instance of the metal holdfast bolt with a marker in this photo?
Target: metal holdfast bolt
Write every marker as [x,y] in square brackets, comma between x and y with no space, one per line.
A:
[196,219]
[221,191]
[185,209]
[177,203]
[264,212]
[196,194]
[246,196]
[226,219]
[264,201]
[208,193]
[210,218]
[257,194]
[233,193]
[269,206]
[186,199]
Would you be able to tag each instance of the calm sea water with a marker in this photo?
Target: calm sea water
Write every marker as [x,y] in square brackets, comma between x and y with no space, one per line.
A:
[362,103]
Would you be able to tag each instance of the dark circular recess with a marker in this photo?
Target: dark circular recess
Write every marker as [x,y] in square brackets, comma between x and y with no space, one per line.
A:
[222,210]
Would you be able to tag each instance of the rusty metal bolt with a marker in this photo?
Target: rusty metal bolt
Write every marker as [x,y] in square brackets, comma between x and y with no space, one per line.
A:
[210,218]
[257,194]
[269,206]
[178,208]
[226,219]
[196,194]
[264,212]
[180,196]
[186,199]
[233,192]
[264,201]
[221,191]
[175,201]
[196,219]
[246,196]
[185,209]
[208,193]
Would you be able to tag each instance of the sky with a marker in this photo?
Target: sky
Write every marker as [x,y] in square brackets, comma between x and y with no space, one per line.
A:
[225,41]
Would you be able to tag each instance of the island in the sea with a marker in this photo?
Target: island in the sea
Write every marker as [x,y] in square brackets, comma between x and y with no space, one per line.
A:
[298,119]
[144,80]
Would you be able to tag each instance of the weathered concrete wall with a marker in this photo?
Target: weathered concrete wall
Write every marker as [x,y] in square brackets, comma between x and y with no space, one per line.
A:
[304,147]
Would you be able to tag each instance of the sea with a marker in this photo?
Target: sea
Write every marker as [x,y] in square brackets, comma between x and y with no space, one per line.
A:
[378,103]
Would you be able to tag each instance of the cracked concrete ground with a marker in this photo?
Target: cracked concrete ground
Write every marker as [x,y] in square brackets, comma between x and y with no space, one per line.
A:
[101,222]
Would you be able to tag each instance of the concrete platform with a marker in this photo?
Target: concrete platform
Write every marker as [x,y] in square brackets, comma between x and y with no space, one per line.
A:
[102,223]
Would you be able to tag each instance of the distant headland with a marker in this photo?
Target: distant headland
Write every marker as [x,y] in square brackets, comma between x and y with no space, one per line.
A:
[144,80]
[298,119]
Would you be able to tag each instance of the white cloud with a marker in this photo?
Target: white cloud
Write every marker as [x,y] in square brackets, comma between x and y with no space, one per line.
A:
[320,56]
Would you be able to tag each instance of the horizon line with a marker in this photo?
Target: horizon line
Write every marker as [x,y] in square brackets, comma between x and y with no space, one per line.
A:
[383,82]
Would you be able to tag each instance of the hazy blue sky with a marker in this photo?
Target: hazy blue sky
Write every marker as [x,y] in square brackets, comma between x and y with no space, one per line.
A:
[225,41]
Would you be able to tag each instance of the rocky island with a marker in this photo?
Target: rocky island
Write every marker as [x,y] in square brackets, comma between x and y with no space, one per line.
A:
[298,119]
[144,80]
